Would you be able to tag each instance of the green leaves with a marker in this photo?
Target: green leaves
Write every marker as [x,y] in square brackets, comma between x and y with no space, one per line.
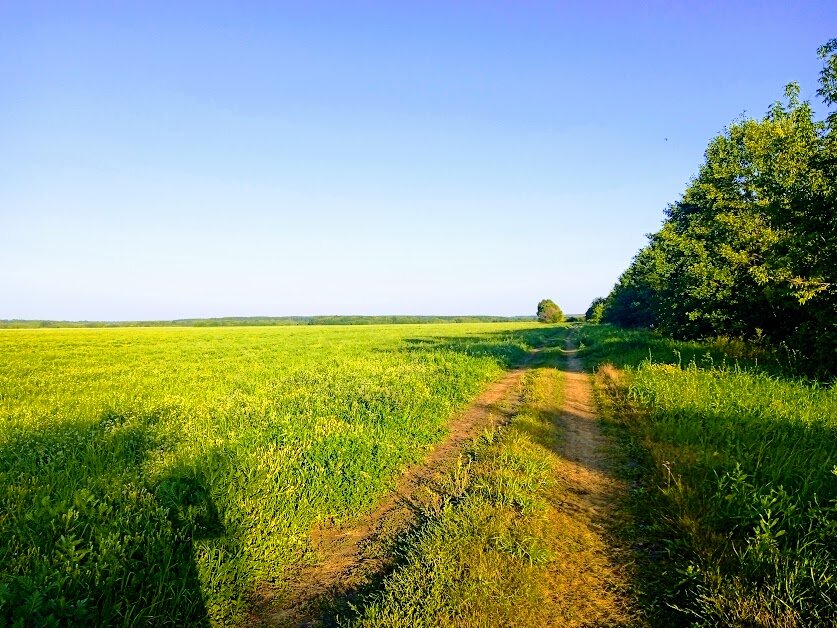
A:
[752,244]
[596,310]
[549,312]
[828,76]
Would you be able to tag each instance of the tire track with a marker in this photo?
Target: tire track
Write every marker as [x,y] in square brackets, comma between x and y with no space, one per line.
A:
[353,556]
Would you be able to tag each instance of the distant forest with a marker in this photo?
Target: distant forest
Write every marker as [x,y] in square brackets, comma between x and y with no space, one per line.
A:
[750,250]
[244,321]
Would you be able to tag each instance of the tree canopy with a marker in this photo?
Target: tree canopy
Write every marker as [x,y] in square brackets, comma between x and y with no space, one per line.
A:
[750,249]
[595,311]
[549,312]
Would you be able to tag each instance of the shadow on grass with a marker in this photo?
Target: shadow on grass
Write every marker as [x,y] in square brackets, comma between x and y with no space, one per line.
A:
[87,541]
[509,348]
[730,501]
[631,347]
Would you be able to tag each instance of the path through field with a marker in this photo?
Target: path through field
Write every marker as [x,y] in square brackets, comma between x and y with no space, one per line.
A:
[584,449]
[352,557]
[593,581]
[590,582]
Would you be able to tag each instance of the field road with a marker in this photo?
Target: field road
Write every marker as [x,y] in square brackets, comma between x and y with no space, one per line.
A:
[584,448]
[352,556]
[591,585]
[588,582]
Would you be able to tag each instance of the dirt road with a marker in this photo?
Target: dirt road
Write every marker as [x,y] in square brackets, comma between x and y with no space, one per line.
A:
[352,556]
[585,446]
[590,584]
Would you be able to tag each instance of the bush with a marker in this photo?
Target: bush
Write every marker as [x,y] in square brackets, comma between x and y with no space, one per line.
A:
[549,312]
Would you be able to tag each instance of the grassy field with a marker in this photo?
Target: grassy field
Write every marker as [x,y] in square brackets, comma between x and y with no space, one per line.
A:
[734,480]
[159,475]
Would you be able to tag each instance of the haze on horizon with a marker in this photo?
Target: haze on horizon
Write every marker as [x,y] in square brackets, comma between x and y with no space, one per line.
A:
[217,159]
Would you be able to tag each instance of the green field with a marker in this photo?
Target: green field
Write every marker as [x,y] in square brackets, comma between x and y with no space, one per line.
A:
[169,475]
[160,475]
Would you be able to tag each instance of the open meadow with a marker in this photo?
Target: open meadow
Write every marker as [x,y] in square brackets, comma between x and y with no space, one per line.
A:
[177,476]
[161,475]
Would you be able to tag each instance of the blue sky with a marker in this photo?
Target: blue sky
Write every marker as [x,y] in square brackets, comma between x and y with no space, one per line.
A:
[164,160]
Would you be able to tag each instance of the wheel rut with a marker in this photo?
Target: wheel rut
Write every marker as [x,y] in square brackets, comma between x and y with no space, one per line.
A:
[584,447]
[595,574]
[354,555]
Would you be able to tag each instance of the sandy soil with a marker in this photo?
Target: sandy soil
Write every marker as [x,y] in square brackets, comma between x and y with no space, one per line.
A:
[584,447]
[592,584]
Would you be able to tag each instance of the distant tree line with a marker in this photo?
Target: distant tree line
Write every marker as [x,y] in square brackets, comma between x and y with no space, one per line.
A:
[253,321]
[750,250]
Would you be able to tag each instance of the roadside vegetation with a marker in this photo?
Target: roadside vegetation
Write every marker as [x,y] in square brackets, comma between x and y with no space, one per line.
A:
[503,541]
[733,474]
[730,431]
[159,475]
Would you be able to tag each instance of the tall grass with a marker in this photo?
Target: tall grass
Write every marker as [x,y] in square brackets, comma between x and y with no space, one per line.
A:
[160,475]
[742,472]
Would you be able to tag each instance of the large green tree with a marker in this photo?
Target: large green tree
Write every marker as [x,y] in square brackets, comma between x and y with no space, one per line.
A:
[549,312]
[750,250]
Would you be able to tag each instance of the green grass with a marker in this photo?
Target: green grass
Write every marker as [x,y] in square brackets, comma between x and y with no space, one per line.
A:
[160,475]
[631,347]
[737,499]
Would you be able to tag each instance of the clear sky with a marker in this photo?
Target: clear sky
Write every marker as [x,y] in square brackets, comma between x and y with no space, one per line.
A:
[173,159]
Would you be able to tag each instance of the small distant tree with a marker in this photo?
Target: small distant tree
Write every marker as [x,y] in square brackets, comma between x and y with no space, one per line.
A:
[595,311]
[549,312]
